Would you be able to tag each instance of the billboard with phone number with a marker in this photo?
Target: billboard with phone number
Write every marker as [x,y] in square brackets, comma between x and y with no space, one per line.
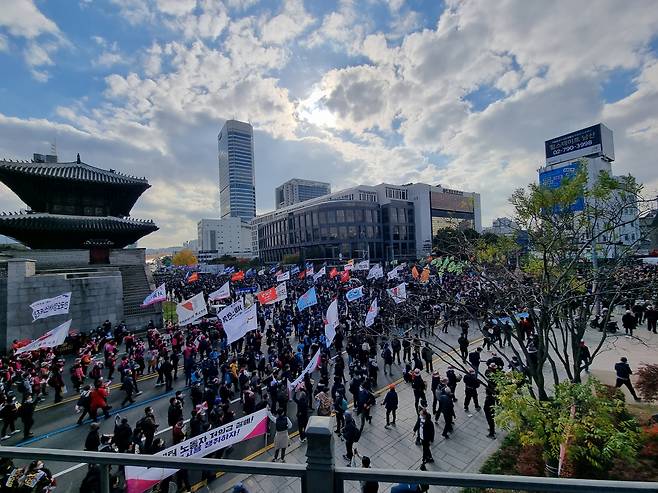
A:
[553,179]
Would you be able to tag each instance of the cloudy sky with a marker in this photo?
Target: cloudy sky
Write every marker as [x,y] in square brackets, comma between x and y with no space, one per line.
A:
[457,93]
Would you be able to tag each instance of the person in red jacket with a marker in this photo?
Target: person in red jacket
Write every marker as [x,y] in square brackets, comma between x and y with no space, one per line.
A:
[99,400]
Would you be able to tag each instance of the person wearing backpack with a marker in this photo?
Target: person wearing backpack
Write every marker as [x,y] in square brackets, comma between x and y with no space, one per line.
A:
[84,402]
[281,438]
[323,402]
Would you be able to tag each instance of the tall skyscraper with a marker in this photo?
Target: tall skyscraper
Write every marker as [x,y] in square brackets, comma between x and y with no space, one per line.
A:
[298,190]
[237,191]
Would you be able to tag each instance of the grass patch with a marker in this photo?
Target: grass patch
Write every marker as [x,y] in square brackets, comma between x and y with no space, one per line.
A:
[169,311]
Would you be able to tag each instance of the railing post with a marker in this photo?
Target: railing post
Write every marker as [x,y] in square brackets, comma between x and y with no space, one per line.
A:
[105,478]
[319,456]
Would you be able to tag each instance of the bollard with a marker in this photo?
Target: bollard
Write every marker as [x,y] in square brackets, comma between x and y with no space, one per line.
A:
[319,456]
[105,478]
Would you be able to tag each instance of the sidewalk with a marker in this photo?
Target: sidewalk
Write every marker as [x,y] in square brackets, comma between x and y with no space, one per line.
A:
[465,451]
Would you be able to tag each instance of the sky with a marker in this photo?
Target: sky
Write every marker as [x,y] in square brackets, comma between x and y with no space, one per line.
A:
[457,93]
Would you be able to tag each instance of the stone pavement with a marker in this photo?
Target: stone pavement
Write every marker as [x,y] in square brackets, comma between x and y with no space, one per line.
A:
[465,451]
[467,448]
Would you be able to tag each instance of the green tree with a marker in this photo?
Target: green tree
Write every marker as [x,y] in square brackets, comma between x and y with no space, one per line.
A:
[592,425]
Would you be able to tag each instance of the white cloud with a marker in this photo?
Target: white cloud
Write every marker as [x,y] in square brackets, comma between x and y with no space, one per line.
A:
[383,118]
[287,25]
[21,18]
[176,7]
[109,59]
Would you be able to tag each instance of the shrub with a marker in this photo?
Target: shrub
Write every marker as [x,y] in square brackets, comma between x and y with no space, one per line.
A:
[647,382]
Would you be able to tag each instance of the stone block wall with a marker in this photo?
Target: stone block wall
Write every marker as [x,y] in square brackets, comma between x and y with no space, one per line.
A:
[96,297]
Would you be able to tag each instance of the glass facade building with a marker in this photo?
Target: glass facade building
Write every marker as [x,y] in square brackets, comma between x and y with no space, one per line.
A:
[353,228]
[237,191]
[381,222]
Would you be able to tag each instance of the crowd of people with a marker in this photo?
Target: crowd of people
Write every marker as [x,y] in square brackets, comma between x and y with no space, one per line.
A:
[227,380]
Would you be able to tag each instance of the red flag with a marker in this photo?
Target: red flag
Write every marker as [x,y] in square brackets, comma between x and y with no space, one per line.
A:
[238,276]
[302,274]
[333,273]
[414,272]
[345,276]
[267,296]
[194,276]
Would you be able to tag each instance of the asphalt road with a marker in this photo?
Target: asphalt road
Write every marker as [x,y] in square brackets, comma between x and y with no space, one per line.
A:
[55,424]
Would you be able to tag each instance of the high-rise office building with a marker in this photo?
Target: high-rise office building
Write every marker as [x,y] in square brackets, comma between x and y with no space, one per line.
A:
[297,190]
[237,191]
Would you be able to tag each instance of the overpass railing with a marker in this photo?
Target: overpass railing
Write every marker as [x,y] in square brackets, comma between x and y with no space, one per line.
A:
[320,474]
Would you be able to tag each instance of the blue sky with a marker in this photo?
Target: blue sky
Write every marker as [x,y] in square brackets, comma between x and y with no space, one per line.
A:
[347,91]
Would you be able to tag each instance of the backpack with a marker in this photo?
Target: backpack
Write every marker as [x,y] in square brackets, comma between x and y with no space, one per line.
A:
[343,404]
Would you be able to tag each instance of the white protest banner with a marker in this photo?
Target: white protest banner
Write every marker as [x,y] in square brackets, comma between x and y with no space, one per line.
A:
[238,327]
[394,274]
[231,312]
[51,306]
[190,310]
[376,272]
[283,277]
[373,311]
[362,265]
[281,292]
[52,338]
[140,479]
[331,322]
[398,293]
[347,267]
[319,273]
[222,293]
[310,368]
[157,296]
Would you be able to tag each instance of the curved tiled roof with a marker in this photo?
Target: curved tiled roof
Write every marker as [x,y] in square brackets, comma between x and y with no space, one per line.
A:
[72,171]
[38,220]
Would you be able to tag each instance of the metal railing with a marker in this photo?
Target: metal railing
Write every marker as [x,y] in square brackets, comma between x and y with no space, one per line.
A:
[320,475]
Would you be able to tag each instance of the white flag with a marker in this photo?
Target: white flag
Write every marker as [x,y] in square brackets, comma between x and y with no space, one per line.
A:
[398,293]
[238,326]
[394,274]
[231,312]
[222,293]
[283,277]
[376,272]
[281,292]
[319,273]
[331,322]
[348,267]
[52,338]
[373,311]
[160,294]
[362,265]
[190,310]
[51,306]
[310,368]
